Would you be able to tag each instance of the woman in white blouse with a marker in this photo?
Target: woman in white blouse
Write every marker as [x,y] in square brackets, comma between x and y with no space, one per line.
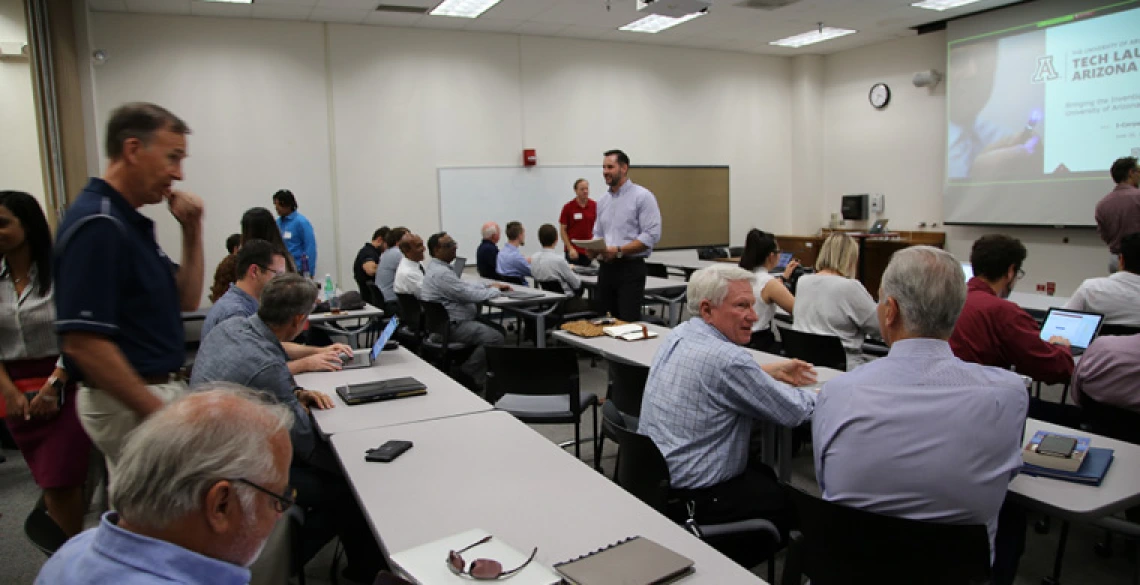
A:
[832,302]
[39,401]
[761,255]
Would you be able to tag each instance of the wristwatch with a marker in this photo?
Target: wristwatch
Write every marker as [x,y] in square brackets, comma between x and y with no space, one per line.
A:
[57,383]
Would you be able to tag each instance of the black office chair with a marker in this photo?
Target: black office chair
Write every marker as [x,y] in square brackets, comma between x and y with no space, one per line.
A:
[42,531]
[841,545]
[626,387]
[657,270]
[821,350]
[541,386]
[519,280]
[642,471]
[711,253]
[411,331]
[735,251]
[437,346]
[1123,425]
[560,314]
[1108,329]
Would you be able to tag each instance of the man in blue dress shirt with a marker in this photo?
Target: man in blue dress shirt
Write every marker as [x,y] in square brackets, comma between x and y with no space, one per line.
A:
[630,222]
[511,265]
[703,392]
[297,232]
[921,434]
[201,485]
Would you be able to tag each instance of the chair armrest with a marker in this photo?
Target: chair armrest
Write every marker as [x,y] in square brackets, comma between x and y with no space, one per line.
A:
[1119,526]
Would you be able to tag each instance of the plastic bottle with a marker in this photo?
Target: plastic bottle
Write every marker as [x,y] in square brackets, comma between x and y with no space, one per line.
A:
[331,294]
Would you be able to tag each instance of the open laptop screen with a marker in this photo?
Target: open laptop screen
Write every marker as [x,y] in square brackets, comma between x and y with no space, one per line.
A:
[1076,326]
[782,263]
[458,265]
[968,270]
[385,335]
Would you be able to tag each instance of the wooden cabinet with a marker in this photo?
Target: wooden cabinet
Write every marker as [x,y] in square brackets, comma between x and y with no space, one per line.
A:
[874,250]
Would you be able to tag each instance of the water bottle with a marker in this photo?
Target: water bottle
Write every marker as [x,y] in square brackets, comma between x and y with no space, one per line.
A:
[331,294]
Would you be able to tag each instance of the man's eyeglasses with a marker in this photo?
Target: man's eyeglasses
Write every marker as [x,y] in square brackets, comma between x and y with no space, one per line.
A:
[1020,274]
[482,569]
[280,503]
[273,270]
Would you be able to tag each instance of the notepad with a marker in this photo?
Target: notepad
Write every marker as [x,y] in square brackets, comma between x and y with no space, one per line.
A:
[633,561]
[630,332]
[594,244]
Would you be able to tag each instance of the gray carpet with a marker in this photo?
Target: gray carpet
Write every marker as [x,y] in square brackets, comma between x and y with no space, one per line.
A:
[19,561]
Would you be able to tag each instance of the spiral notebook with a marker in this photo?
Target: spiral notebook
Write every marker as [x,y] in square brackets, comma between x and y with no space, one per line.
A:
[633,561]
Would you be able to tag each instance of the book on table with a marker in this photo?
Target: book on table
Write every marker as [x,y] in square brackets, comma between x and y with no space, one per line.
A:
[630,332]
[633,561]
[1092,471]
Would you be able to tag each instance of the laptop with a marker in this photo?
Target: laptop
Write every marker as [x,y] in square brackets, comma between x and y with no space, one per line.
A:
[968,270]
[378,390]
[879,227]
[361,359]
[782,263]
[1079,327]
[458,265]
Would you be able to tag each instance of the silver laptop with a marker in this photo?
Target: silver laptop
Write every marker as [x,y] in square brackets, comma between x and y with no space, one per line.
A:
[1079,327]
[458,265]
[364,359]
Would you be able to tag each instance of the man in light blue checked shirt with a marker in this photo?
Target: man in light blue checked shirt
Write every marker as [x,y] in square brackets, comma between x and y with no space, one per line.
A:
[703,392]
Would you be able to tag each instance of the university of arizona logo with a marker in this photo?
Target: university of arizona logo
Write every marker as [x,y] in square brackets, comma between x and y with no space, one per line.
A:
[1045,70]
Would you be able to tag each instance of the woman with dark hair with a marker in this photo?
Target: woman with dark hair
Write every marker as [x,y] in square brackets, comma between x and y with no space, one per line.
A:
[761,255]
[257,223]
[39,400]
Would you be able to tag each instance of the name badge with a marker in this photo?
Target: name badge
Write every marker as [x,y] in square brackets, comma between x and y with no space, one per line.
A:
[578,215]
[287,235]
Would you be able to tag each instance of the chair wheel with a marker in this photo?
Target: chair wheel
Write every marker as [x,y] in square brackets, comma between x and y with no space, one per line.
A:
[1041,526]
[1103,550]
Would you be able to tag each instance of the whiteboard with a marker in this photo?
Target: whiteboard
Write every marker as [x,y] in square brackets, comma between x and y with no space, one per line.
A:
[472,196]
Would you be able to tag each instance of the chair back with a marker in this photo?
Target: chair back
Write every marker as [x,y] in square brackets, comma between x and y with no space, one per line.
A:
[519,280]
[657,270]
[546,371]
[1111,421]
[553,286]
[735,251]
[848,545]
[436,320]
[711,253]
[641,468]
[43,532]
[410,312]
[627,386]
[1108,329]
[821,350]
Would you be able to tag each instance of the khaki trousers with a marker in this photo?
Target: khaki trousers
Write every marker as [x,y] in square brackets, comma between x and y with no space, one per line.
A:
[108,421]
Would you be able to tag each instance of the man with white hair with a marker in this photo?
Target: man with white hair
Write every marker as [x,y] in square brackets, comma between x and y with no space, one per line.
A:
[703,392]
[487,256]
[199,487]
[921,434]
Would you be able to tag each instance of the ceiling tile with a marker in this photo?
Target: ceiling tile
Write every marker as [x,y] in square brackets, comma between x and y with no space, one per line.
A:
[309,3]
[520,9]
[493,24]
[159,6]
[282,11]
[448,22]
[348,4]
[348,16]
[583,32]
[540,29]
[392,18]
[198,8]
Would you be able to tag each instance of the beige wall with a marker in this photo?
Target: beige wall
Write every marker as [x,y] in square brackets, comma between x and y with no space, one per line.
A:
[20,167]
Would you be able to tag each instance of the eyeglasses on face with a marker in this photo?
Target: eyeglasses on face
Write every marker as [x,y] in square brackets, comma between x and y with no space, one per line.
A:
[281,503]
[1020,274]
[273,270]
[482,569]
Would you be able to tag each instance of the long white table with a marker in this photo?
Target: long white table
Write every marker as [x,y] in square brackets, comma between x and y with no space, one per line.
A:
[492,472]
[670,292]
[641,353]
[445,397]
[537,308]
[685,260]
[1119,490]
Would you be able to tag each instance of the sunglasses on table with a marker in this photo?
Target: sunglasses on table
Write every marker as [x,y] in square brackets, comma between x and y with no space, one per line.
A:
[482,569]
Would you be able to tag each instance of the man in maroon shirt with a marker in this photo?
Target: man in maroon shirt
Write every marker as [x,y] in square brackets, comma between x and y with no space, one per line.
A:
[577,222]
[1118,214]
[995,332]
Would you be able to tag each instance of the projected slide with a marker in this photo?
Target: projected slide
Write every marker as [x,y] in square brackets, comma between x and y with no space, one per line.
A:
[1037,114]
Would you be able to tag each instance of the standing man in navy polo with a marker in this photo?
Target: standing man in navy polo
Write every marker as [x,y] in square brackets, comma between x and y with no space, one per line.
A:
[630,221]
[118,296]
